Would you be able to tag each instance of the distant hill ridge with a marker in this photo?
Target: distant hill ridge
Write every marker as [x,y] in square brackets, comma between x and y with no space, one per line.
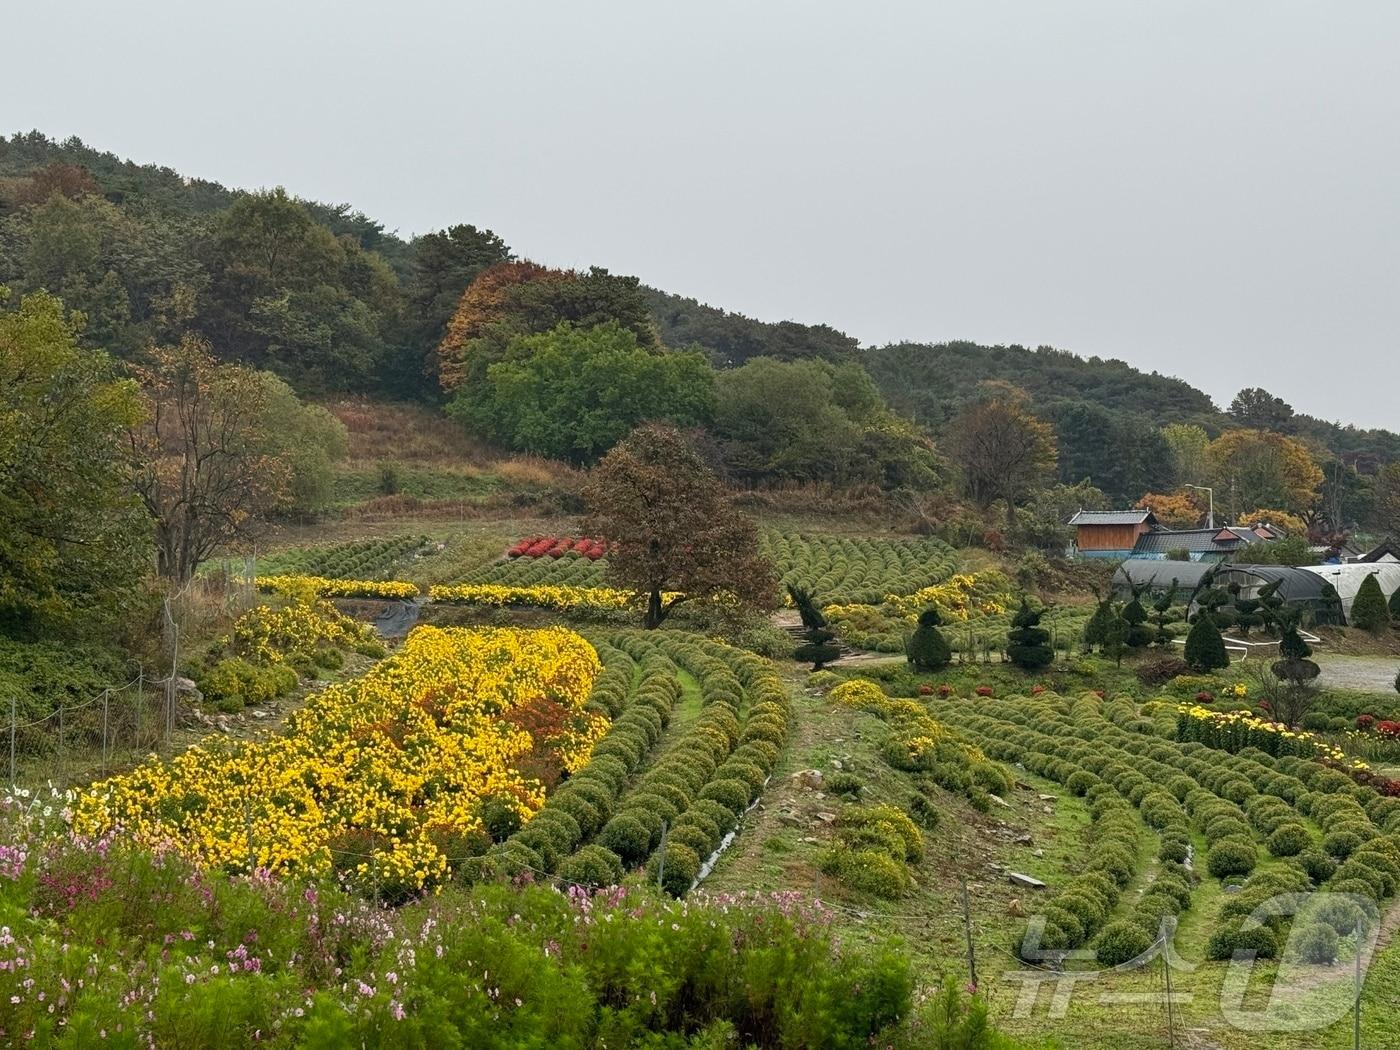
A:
[927,382]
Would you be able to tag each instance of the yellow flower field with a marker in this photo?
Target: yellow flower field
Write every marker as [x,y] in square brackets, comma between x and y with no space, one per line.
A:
[323,587]
[386,771]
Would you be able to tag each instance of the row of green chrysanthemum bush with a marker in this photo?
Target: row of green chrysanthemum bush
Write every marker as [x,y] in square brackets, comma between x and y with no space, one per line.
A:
[114,945]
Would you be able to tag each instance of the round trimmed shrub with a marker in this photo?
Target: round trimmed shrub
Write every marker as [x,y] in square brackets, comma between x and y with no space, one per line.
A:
[1234,937]
[592,866]
[1232,856]
[1341,843]
[1315,943]
[693,836]
[1121,942]
[1340,913]
[682,866]
[733,794]
[722,815]
[1288,840]
[627,837]
[847,784]
[868,871]
[1318,865]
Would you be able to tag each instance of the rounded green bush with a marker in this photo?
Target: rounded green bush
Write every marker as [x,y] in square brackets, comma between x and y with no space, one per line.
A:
[1315,943]
[627,837]
[868,871]
[1232,856]
[1288,840]
[1340,913]
[592,866]
[695,837]
[1340,843]
[1232,937]
[1121,942]
[1318,865]
[733,794]
[682,866]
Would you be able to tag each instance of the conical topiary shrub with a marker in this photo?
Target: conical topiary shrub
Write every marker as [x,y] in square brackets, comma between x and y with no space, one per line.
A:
[1368,608]
[1205,648]
[1394,606]
[1135,616]
[1293,664]
[1027,643]
[1096,630]
[928,650]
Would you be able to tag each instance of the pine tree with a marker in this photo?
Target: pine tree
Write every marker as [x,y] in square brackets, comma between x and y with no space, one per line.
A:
[928,650]
[1115,642]
[820,648]
[1096,630]
[1205,649]
[1027,643]
[1368,608]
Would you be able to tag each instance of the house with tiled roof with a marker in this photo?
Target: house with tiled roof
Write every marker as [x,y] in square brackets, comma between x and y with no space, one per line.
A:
[1138,534]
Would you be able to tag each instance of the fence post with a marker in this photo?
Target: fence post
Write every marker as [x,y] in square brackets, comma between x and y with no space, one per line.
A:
[14,717]
[967,926]
[61,754]
[661,863]
[106,697]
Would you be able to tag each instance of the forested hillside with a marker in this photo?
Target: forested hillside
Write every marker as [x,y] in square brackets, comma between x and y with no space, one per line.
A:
[562,363]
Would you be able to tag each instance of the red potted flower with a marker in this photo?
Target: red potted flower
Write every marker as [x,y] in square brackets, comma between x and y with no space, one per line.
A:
[1205,696]
[1036,690]
[926,690]
[1365,721]
[945,690]
[984,690]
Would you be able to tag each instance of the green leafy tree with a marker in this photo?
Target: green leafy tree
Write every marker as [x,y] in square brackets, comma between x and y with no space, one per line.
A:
[673,533]
[1205,648]
[1256,408]
[572,393]
[73,541]
[1027,643]
[816,421]
[1189,449]
[1368,608]
[928,650]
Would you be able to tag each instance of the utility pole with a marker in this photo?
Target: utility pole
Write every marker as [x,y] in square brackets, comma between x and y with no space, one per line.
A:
[1210,492]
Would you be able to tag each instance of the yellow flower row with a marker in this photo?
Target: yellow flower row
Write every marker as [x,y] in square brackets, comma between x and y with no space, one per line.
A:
[542,595]
[1243,720]
[380,774]
[324,587]
[272,636]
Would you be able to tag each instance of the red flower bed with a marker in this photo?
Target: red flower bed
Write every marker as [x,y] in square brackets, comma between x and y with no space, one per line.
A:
[1205,696]
[1365,721]
[1036,690]
[925,690]
[945,690]
[557,547]
[1389,729]
[984,690]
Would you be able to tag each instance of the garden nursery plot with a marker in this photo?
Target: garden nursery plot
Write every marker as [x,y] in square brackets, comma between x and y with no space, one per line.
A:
[840,570]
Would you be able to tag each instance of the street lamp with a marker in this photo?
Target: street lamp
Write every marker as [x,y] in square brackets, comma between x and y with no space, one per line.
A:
[1210,515]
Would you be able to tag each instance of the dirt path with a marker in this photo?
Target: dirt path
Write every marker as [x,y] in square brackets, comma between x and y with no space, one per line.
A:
[1370,674]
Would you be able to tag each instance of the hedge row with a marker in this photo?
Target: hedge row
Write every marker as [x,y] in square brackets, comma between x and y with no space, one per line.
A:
[873,849]
[584,803]
[703,779]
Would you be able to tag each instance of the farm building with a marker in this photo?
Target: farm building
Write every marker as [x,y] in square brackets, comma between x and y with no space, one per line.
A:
[1110,533]
[1138,534]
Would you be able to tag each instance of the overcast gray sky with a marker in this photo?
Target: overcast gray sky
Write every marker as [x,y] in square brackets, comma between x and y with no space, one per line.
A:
[1208,189]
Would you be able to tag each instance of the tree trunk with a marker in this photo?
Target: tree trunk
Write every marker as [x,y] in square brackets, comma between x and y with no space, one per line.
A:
[655,611]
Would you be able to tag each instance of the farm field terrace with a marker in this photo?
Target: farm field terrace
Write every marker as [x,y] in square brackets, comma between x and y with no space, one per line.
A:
[1128,824]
